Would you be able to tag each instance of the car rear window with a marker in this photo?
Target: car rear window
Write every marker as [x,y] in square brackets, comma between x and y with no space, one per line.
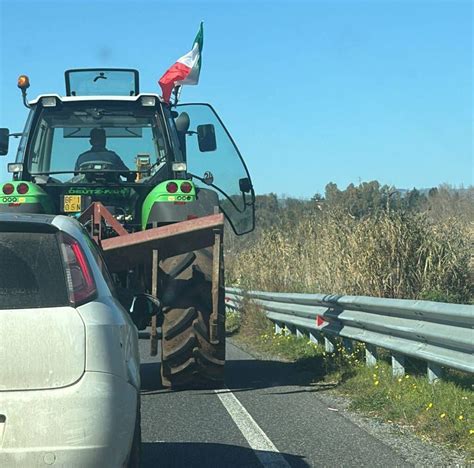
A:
[31,271]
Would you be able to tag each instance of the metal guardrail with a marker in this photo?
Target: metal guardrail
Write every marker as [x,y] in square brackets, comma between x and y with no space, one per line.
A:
[440,334]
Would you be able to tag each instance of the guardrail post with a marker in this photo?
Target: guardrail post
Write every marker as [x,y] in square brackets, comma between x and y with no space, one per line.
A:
[370,355]
[291,328]
[347,345]
[278,328]
[398,364]
[299,333]
[313,338]
[434,372]
[328,345]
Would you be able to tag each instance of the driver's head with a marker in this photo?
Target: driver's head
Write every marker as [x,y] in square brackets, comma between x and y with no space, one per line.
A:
[97,137]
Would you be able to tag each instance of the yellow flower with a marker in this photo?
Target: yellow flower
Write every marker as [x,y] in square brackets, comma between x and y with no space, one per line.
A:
[375,376]
[442,415]
[460,417]
[400,379]
[471,431]
[376,367]
[376,382]
[430,405]
[407,376]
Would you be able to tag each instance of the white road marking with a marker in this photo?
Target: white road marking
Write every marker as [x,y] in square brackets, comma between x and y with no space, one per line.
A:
[264,449]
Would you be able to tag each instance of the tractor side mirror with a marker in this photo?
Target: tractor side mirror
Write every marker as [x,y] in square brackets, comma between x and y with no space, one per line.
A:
[245,185]
[206,137]
[4,141]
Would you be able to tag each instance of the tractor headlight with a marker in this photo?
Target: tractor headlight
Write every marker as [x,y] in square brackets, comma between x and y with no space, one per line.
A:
[48,101]
[179,167]
[15,168]
[148,101]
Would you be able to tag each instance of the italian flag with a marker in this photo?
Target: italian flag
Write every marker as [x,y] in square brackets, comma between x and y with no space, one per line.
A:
[186,69]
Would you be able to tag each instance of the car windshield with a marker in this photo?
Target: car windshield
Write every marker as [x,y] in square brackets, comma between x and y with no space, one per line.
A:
[116,136]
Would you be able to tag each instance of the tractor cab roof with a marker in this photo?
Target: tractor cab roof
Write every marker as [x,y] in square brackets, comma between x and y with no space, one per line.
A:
[47,102]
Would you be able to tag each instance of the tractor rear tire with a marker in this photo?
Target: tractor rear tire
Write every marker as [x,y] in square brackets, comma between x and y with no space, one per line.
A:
[188,358]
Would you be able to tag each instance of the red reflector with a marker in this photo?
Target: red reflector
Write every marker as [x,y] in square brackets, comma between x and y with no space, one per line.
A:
[22,188]
[186,187]
[180,203]
[8,189]
[320,321]
[172,187]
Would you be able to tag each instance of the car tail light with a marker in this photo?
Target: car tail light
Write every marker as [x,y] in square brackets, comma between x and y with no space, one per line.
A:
[8,189]
[172,187]
[186,187]
[22,188]
[81,284]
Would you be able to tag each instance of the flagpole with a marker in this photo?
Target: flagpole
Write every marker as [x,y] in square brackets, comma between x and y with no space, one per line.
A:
[177,94]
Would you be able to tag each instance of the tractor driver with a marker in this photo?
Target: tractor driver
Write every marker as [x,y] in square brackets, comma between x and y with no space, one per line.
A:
[99,153]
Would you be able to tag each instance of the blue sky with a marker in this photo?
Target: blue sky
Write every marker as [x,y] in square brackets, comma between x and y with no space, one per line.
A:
[313,92]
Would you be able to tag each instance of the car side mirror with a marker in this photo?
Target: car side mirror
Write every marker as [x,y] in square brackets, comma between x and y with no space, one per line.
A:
[206,137]
[245,185]
[4,141]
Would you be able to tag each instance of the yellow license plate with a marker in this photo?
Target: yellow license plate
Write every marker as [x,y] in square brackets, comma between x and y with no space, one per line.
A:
[72,203]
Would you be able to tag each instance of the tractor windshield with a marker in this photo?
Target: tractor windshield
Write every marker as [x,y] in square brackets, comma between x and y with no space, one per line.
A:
[79,137]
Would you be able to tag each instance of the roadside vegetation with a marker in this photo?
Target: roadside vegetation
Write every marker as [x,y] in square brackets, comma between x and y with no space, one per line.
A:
[440,412]
[365,240]
[369,240]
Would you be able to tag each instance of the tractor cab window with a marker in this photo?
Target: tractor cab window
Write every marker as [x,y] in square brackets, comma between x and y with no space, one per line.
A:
[102,82]
[74,137]
[214,160]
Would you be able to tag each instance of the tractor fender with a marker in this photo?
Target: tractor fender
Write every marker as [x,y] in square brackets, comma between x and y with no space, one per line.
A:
[35,200]
[173,212]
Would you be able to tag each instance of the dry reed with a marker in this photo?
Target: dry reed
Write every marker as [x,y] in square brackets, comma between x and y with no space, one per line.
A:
[400,255]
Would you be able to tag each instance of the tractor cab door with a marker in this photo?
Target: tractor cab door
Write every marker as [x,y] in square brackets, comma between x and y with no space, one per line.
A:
[214,161]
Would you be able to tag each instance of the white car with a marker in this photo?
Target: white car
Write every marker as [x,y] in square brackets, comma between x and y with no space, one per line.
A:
[69,362]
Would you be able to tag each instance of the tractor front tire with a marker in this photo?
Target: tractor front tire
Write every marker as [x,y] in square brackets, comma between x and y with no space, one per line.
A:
[188,358]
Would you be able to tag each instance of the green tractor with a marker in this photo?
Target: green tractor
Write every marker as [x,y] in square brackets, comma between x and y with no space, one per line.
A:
[153,184]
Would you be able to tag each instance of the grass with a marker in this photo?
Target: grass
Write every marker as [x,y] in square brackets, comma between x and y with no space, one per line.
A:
[232,323]
[442,412]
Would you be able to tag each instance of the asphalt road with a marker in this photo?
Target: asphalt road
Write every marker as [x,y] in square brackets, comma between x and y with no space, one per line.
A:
[267,416]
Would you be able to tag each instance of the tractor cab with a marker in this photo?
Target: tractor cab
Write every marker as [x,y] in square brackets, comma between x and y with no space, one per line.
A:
[148,162]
